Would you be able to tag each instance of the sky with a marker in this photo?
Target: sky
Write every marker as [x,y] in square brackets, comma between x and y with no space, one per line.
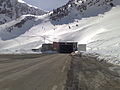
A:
[47,5]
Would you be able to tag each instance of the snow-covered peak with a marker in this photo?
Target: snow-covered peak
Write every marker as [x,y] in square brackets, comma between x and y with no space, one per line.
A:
[21,1]
[12,9]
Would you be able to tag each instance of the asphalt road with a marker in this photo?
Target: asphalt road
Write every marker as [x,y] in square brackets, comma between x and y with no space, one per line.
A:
[57,72]
[86,73]
[33,72]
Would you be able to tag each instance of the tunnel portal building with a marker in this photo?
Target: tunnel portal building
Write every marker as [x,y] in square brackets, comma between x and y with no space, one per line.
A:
[65,47]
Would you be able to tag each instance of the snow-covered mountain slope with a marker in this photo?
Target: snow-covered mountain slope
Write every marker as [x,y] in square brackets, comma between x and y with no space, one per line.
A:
[100,32]
[78,9]
[12,9]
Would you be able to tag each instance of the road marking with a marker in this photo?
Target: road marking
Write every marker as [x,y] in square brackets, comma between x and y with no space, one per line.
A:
[63,87]
[6,89]
[66,61]
[54,87]
[64,66]
[63,69]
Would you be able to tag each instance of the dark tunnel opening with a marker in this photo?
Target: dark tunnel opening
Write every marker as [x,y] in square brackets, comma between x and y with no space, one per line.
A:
[66,48]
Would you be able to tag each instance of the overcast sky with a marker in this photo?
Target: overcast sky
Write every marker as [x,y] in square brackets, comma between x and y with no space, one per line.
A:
[47,4]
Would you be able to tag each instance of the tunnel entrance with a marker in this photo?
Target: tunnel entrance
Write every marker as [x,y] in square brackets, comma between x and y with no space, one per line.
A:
[58,47]
[67,47]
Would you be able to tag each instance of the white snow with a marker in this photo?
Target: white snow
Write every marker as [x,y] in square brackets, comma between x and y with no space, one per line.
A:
[21,1]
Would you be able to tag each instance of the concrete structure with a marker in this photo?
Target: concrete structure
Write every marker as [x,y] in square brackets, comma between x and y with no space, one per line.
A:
[81,47]
[65,47]
[47,47]
[58,47]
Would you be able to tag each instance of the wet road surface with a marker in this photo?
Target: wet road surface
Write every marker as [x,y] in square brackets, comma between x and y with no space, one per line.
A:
[86,73]
[33,72]
[57,72]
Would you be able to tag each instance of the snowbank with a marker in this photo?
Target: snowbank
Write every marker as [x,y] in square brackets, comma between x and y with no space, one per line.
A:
[101,57]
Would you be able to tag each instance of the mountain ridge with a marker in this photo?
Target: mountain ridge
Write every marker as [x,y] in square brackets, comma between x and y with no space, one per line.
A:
[77,9]
[12,9]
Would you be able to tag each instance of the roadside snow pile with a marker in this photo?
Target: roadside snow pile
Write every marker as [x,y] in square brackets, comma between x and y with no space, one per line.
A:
[99,57]
[113,60]
[107,43]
